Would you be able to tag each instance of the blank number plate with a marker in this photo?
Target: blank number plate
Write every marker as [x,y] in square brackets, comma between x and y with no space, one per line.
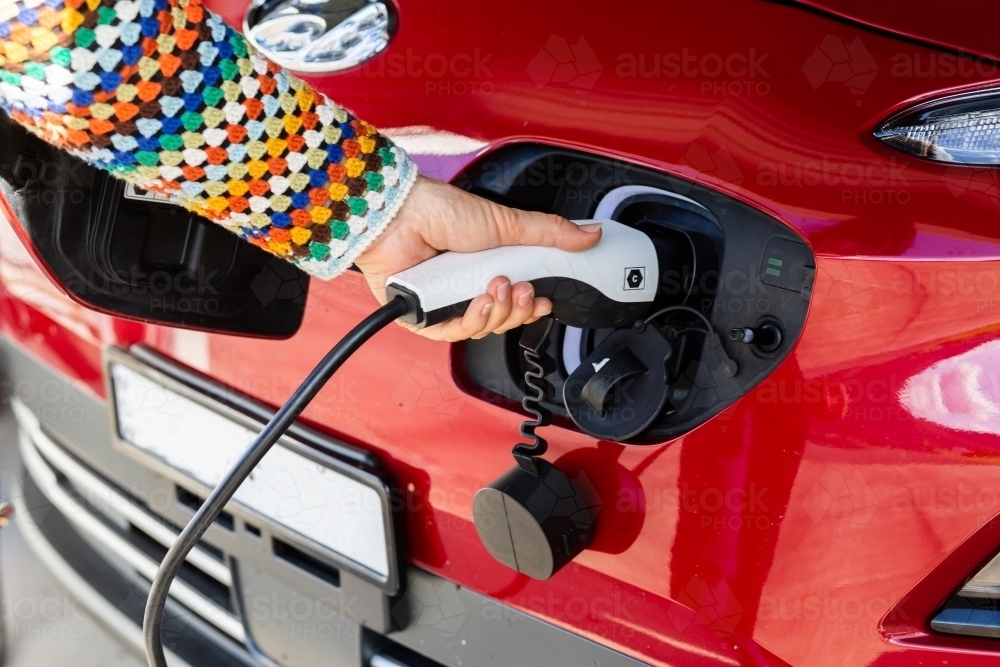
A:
[344,511]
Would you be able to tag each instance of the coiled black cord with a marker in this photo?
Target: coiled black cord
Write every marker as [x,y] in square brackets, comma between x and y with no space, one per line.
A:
[533,343]
[203,518]
[532,404]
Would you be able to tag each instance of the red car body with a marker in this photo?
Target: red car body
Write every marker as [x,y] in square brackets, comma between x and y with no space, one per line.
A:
[823,517]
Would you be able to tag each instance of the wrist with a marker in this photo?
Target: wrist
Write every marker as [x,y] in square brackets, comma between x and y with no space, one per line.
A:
[383,206]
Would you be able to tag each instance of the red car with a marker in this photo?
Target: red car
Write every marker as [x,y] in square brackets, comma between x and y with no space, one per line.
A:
[824,494]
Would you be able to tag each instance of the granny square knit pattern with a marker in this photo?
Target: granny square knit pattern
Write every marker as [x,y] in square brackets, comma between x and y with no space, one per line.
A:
[164,94]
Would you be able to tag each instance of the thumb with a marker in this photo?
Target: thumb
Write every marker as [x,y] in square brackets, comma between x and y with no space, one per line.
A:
[518,227]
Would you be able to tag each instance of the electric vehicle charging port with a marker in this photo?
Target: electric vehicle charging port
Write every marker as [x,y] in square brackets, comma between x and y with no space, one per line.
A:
[741,270]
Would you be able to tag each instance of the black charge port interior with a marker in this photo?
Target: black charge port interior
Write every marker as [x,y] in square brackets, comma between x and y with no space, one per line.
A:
[747,270]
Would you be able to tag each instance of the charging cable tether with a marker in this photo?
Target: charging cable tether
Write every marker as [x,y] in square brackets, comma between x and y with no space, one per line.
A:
[534,519]
[534,342]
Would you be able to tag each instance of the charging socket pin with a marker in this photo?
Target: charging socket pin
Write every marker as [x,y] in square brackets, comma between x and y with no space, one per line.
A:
[766,337]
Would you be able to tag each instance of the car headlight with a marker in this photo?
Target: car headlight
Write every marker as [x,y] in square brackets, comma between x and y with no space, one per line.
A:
[961,129]
[319,35]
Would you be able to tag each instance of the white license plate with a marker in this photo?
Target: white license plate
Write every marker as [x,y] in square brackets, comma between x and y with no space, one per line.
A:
[339,507]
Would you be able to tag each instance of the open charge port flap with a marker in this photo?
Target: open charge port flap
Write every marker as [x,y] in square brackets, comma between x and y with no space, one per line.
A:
[722,249]
[143,258]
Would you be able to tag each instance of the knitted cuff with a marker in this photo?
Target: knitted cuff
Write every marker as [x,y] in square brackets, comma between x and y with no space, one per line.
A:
[164,94]
[382,207]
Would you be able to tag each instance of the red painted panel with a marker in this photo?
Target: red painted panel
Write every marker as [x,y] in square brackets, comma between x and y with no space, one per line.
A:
[965,25]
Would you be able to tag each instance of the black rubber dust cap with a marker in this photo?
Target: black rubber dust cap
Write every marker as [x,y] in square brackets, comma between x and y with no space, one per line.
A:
[621,388]
[535,523]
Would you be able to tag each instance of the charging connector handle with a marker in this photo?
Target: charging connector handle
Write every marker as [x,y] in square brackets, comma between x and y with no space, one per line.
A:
[609,285]
[282,420]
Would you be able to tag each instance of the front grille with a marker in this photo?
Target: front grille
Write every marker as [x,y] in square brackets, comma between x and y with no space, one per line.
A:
[194,503]
[191,639]
[134,537]
[304,561]
[211,588]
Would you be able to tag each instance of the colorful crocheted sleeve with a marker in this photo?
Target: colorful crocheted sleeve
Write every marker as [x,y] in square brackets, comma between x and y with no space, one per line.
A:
[162,93]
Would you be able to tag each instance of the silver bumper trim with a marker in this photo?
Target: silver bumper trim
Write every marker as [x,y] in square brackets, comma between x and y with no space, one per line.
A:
[100,609]
[101,495]
[29,434]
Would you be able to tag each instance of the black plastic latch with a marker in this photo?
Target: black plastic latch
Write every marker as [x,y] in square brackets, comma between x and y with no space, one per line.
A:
[610,371]
[621,388]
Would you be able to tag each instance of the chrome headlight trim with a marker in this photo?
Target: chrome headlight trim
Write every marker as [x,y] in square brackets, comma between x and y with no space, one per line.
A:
[960,129]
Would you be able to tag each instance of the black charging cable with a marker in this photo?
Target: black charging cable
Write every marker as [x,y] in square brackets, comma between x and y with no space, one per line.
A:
[153,618]
[687,309]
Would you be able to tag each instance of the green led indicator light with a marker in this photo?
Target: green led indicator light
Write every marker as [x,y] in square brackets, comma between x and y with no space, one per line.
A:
[773,262]
[772,272]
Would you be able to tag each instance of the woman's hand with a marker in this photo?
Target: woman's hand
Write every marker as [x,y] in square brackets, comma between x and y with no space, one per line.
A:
[438,217]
